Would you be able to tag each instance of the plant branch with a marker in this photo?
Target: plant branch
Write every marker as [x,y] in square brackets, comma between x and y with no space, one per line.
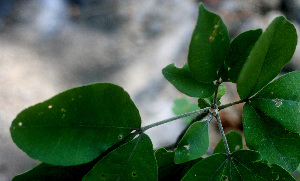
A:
[205,110]
[233,103]
[223,135]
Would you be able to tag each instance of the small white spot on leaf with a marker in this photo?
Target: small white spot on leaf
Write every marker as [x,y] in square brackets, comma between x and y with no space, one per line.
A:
[278,102]
[216,26]
[50,106]
[228,68]
[272,93]
[120,137]
[187,146]
[20,123]
[237,147]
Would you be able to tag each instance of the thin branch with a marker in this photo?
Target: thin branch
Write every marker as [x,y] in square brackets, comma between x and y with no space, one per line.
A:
[205,110]
[223,135]
[233,103]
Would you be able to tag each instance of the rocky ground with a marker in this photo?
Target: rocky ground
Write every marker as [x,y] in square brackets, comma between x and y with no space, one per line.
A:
[45,50]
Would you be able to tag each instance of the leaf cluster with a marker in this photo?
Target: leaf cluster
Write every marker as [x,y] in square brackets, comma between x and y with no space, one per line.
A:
[94,132]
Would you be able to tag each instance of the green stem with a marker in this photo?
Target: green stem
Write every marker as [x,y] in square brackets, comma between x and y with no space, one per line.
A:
[223,135]
[174,118]
[233,103]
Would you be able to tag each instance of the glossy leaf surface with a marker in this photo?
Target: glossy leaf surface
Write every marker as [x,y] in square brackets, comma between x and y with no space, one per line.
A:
[183,81]
[240,49]
[182,106]
[132,161]
[234,140]
[274,49]
[209,46]
[281,100]
[76,126]
[194,143]
[167,169]
[265,135]
[242,165]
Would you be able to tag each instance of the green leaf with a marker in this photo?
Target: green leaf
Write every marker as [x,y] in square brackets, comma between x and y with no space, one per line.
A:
[210,168]
[209,46]
[194,143]
[265,135]
[76,126]
[206,102]
[132,161]
[240,49]
[274,49]
[182,106]
[46,172]
[281,100]
[234,140]
[183,81]
[167,169]
[241,165]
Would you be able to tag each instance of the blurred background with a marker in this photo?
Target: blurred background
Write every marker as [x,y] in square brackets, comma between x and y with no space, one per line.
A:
[48,46]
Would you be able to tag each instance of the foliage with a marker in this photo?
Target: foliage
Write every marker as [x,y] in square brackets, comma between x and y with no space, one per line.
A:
[94,132]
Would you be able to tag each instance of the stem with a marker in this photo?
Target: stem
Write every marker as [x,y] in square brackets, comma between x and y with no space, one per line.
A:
[215,103]
[174,118]
[233,103]
[223,135]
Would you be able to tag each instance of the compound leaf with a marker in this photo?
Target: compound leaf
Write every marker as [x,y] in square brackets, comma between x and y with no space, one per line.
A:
[194,143]
[183,81]
[274,49]
[240,49]
[281,100]
[182,106]
[209,46]
[132,161]
[76,126]
[241,165]
[234,140]
[265,135]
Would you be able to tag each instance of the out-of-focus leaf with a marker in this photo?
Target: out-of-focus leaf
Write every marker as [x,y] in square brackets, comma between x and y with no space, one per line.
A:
[182,106]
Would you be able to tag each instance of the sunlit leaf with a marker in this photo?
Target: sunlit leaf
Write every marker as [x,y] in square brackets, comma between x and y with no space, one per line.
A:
[209,46]
[132,161]
[194,143]
[273,50]
[76,126]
